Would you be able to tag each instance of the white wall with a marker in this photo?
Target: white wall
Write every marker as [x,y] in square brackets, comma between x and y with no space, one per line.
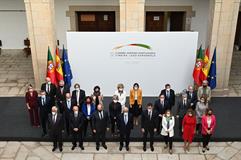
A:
[199,22]
[13,24]
[13,28]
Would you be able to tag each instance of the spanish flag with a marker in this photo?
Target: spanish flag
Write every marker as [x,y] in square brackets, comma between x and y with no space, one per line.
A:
[206,66]
[51,68]
[59,71]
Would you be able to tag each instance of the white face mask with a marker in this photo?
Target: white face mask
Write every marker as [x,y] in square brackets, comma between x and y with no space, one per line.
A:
[42,96]
[76,88]
[53,113]
[168,114]
[125,113]
[49,82]
[149,110]
[168,89]
[115,101]
[75,112]
[136,88]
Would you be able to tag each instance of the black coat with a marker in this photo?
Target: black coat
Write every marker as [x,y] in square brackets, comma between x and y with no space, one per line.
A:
[52,92]
[98,124]
[147,123]
[114,109]
[61,96]
[192,99]
[159,108]
[171,99]
[65,107]
[81,96]
[57,127]
[47,107]
[77,122]
[181,108]
[125,128]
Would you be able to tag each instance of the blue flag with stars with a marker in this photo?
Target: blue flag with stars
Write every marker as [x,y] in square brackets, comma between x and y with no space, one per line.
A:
[212,72]
[66,68]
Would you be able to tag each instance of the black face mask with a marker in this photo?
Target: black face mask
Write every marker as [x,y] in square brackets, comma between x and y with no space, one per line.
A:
[209,114]
[61,86]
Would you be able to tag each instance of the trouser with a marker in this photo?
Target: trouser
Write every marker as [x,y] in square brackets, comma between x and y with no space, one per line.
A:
[198,128]
[159,125]
[113,125]
[100,137]
[34,117]
[60,106]
[169,140]
[44,119]
[57,139]
[86,122]
[180,119]
[66,116]
[125,137]
[206,140]
[77,137]
[151,132]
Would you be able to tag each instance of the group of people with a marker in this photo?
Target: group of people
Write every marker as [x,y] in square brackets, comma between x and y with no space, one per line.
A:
[58,110]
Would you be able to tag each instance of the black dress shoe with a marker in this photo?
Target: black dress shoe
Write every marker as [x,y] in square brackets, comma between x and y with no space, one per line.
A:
[152,148]
[60,149]
[120,148]
[97,148]
[43,134]
[82,147]
[73,147]
[127,148]
[104,146]
[144,148]
[53,149]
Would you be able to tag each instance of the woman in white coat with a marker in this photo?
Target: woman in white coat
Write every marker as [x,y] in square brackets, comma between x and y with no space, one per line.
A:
[168,123]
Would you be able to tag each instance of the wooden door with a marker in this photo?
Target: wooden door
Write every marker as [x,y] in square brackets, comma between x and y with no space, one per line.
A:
[177,21]
[96,21]
[154,21]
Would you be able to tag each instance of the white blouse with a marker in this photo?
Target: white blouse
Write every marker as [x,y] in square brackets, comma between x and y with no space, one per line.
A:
[121,97]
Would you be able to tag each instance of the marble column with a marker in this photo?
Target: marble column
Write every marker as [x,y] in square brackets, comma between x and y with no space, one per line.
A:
[42,33]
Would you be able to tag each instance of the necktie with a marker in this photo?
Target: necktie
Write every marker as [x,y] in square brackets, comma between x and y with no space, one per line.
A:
[191,95]
[100,115]
[42,101]
[54,118]
[168,94]
[184,103]
[68,104]
[162,104]
[125,119]
[48,88]
[149,114]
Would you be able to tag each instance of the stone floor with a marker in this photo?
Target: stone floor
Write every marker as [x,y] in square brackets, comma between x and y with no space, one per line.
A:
[16,72]
[42,151]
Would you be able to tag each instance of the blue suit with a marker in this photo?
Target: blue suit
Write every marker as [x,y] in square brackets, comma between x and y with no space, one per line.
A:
[87,116]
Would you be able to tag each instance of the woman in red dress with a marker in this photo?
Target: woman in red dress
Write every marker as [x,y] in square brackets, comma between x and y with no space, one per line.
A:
[31,98]
[188,128]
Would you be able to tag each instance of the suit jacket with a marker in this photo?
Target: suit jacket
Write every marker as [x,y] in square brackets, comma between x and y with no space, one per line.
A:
[192,99]
[52,92]
[85,111]
[57,127]
[132,97]
[98,124]
[181,108]
[61,96]
[171,126]
[81,96]
[171,99]
[66,109]
[147,123]
[114,109]
[159,108]
[201,93]
[77,122]
[46,107]
[205,124]
[32,100]
[125,128]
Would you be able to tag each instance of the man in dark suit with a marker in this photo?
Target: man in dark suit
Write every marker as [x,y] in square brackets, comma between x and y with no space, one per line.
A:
[125,125]
[61,91]
[100,121]
[114,111]
[192,97]
[149,125]
[44,109]
[76,121]
[50,90]
[169,95]
[78,95]
[161,105]
[67,109]
[56,126]
[182,106]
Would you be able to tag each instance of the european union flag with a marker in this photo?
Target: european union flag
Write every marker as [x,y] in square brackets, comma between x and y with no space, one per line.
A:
[212,72]
[66,68]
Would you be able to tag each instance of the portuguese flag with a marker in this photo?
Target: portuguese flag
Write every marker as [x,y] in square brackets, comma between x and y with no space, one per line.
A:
[51,68]
[59,71]
[198,67]
[206,66]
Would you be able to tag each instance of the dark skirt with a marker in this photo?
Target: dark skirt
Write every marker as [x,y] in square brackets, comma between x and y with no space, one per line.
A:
[135,110]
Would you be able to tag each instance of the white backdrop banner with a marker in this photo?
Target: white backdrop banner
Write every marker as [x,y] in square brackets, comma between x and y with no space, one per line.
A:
[148,58]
